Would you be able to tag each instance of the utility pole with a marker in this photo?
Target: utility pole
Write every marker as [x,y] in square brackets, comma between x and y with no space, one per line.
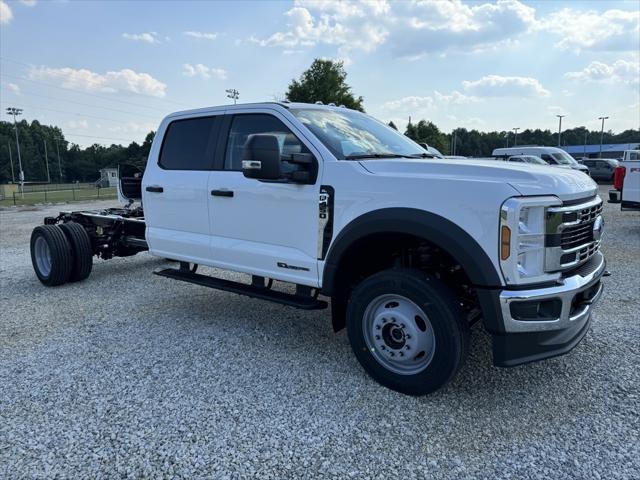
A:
[515,140]
[560,117]
[233,93]
[17,111]
[601,134]
[59,167]
[13,177]
[455,141]
[46,159]
[586,132]
[506,134]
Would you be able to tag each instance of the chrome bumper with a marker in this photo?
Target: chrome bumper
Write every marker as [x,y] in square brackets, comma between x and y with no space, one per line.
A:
[566,293]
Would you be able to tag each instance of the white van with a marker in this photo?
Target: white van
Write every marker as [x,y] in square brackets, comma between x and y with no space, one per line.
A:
[554,156]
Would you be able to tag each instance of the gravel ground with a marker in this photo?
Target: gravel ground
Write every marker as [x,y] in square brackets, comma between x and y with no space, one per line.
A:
[132,375]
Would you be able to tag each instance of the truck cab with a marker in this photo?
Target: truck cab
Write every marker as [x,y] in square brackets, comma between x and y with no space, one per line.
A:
[408,250]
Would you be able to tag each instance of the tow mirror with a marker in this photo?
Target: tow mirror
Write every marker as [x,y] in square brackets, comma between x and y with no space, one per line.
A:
[261,157]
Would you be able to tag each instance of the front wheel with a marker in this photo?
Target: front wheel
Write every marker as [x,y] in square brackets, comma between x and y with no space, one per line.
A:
[407,330]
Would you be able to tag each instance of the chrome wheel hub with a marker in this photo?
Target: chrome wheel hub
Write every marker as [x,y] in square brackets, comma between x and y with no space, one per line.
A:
[43,256]
[398,334]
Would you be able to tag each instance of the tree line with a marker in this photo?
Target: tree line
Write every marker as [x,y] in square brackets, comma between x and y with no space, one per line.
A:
[67,161]
[473,143]
[324,81]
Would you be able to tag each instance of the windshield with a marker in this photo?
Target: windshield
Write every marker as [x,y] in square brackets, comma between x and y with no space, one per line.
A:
[563,158]
[536,160]
[351,135]
[434,151]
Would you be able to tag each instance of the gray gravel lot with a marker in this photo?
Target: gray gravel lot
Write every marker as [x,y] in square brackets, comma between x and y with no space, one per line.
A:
[132,375]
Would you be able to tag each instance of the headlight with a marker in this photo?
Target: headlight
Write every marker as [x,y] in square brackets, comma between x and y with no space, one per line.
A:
[522,236]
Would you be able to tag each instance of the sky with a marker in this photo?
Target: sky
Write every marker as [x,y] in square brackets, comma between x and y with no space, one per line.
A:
[107,72]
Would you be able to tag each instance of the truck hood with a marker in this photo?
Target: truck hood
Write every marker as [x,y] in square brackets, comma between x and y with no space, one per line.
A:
[567,184]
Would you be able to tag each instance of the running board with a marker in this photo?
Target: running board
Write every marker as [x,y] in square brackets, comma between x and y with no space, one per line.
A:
[297,301]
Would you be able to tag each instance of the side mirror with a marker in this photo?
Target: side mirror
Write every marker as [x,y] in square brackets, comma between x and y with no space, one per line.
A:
[261,157]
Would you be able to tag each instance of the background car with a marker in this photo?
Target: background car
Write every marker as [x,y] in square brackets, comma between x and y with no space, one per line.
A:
[532,159]
[601,168]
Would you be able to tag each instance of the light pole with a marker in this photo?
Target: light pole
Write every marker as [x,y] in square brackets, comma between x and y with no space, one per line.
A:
[46,159]
[233,93]
[586,132]
[59,167]
[515,140]
[506,134]
[17,111]
[13,177]
[560,117]
[601,134]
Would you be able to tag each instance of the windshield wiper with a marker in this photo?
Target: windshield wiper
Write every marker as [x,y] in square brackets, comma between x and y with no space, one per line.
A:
[375,155]
[421,155]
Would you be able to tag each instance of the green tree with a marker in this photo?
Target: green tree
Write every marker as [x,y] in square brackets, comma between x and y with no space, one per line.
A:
[324,81]
[427,132]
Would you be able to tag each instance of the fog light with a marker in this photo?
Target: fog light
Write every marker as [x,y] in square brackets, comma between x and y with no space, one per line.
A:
[536,310]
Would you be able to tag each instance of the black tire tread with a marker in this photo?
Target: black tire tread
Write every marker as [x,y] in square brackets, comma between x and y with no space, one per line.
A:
[457,329]
[61,258]
[81,250]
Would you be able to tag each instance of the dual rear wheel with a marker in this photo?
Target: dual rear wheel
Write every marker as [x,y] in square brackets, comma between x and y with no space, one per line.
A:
[61,253]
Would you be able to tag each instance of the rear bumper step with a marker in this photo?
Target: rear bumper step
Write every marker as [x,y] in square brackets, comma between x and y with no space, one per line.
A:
[263,293]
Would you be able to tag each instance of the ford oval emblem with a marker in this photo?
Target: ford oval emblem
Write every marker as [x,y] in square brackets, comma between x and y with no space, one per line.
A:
[598,227]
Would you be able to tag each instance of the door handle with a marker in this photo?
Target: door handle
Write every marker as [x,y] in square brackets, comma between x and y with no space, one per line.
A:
[222,193]
[155,188]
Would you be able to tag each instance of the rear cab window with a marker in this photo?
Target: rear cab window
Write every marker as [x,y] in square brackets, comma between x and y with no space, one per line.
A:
[189,144]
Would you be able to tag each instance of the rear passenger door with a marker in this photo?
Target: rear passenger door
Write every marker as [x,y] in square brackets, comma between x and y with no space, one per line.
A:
[175,195]
[268,228]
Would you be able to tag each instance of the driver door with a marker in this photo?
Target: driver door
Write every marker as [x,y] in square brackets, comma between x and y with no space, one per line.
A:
[267,228]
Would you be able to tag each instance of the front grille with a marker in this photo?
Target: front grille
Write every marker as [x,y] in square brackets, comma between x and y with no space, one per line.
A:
[570,238]
[577,235]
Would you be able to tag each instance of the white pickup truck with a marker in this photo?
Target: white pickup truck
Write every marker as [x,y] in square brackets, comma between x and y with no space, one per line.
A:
[409,249]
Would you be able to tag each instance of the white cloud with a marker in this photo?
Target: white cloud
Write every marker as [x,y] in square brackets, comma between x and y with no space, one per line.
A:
[408,104]
[147,37]
[202,35]
[620,71]
[434,26]
[454,98]
[115,81]
[5,13]
[580,30]
[411,28]
[14,88]
[498,86]
[343,24]
[200,70]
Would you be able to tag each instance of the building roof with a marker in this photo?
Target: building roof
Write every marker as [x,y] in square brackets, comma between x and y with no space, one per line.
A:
[606,147]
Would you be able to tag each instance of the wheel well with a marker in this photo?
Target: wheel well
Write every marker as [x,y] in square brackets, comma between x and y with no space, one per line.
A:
[380,251]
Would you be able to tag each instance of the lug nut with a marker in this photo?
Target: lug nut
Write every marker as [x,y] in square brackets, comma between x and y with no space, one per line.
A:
[377,337]
[408,347]
[377,327]
[408,336]
[392,354]
[402,354]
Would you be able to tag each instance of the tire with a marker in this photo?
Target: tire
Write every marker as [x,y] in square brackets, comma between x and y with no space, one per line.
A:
[81,250]
[51,255]
[407,330]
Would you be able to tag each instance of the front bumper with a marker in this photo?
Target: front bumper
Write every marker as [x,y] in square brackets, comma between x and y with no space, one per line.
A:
[555,318]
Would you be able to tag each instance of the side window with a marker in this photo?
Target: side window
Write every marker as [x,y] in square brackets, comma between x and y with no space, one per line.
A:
[547,158]
[188,144]
[246,125]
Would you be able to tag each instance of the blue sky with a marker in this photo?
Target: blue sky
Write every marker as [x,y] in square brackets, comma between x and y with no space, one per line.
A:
[106,72]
